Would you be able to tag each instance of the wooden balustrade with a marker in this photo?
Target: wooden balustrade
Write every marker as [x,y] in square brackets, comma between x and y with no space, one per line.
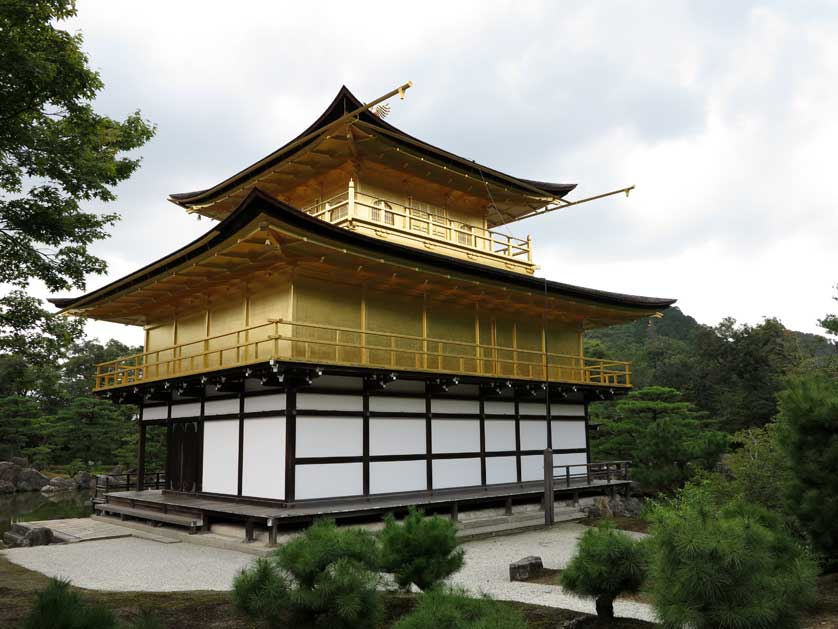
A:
[280,339]
[390,215]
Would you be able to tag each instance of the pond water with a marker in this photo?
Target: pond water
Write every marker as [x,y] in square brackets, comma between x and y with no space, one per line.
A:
[29,506]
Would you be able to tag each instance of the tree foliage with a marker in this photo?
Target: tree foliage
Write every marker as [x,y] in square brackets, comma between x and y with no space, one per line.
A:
[454,608]
[726,565]
[809,426]
[608,563]
[59,607]
[55,153]
[665,438]
[830,321]
[421,550]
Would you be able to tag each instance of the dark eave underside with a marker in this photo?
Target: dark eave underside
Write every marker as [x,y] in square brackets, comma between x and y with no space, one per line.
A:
[344,102]
[258,202]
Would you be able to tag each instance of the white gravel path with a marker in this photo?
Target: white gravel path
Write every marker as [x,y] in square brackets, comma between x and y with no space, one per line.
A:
[487,570]
[132,564]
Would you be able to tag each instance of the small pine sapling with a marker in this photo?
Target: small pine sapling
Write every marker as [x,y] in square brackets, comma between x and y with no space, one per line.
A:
[59,607]
[422,550]
[608,563]
[454,608]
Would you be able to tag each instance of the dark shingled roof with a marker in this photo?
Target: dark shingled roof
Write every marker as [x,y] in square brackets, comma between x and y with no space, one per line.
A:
[343,103]
[258,202]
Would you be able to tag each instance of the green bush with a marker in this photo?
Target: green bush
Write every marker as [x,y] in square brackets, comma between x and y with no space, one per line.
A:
[726,566]
[261,591]
[58,607]
[422,551]
[452,608]
[608,563]
[146,619]
[327,576]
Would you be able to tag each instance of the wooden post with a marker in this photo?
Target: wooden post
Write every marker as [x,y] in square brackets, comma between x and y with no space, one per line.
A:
[274,524]
[350,203]
[141,456]
[549,497]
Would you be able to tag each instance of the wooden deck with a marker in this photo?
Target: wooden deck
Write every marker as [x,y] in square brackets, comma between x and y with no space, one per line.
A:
[211,508]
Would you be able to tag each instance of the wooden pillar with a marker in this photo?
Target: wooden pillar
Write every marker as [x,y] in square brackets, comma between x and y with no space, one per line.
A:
[141,453]
[549,497]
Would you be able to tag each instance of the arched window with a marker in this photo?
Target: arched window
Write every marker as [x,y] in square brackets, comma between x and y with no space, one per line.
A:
[382,211]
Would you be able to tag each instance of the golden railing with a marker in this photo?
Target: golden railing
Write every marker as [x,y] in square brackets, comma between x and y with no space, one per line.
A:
[281,339]
[387,214]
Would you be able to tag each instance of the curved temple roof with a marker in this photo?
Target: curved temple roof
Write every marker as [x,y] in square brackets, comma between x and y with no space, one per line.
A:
[535,193]
[258,203]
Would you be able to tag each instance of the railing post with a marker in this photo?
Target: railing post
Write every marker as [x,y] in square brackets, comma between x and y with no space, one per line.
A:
[350,200]
[549,498]
[567,475]
[529,248]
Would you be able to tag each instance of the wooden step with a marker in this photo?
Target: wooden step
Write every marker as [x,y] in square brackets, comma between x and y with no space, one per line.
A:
[191,522]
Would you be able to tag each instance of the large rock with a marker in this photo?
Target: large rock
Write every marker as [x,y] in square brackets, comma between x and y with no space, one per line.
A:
[20,461]
[31,480]
[6,487]
[84,480]
[525,568]
[616,506]
[9,472]
[62,484]
[38,536]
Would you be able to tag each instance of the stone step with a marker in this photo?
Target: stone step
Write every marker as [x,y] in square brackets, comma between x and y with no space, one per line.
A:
[515,523]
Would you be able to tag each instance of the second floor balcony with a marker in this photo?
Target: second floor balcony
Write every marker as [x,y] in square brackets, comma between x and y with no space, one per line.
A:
[300,342]
[422,225]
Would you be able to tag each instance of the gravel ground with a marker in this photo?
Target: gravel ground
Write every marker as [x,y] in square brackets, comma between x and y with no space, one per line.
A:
[132,564]
[487,570]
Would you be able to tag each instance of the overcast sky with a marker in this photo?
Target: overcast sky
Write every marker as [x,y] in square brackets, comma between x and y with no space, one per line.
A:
[722,113]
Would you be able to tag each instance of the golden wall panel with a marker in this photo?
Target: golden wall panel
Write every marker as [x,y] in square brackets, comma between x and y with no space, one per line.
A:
[328,306]
[393,315]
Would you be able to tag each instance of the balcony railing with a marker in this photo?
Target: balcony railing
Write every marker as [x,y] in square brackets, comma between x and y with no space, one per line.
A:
[281,339]
[427,225]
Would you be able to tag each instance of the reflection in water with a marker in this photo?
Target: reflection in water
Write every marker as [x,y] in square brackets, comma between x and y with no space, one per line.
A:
[33,505]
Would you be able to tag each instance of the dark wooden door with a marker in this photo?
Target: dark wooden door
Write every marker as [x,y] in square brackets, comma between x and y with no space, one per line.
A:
[184,453]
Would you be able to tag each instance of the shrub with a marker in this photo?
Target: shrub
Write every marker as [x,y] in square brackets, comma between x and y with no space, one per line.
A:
[146,619]
[452,608]
[422,551]
[58,607]
[608,563]
[726,566]
[326,575]
[261,591]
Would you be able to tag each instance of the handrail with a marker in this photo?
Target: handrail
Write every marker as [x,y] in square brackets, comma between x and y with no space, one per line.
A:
[343,207]
[284,339]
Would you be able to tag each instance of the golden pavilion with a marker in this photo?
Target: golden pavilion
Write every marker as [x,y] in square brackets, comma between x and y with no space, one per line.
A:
[354,326]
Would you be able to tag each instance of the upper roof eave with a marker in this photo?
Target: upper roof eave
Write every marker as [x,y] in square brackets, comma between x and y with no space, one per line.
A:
[334,111]
[258,202]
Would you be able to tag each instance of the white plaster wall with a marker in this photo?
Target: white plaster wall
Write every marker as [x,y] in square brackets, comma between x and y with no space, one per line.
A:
[500,469]
[326,481]
[533,434]
[186,410]
[155,412]
[397,404]
[532,467]
[570,459]
[326,402]
[577,410]
[456,473]
[532,408]
[568,434]
[455,435]
[498,408]
[500,435]
[458,407]
[222,407]
[329,436]
[390,476]
[263,470]
[221,457]
[256,403]
[393,435]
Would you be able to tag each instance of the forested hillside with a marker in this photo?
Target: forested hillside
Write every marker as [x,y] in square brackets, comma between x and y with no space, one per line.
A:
[731,371]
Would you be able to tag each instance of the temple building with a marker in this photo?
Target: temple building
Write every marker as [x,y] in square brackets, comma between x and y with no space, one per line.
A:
[358,325]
